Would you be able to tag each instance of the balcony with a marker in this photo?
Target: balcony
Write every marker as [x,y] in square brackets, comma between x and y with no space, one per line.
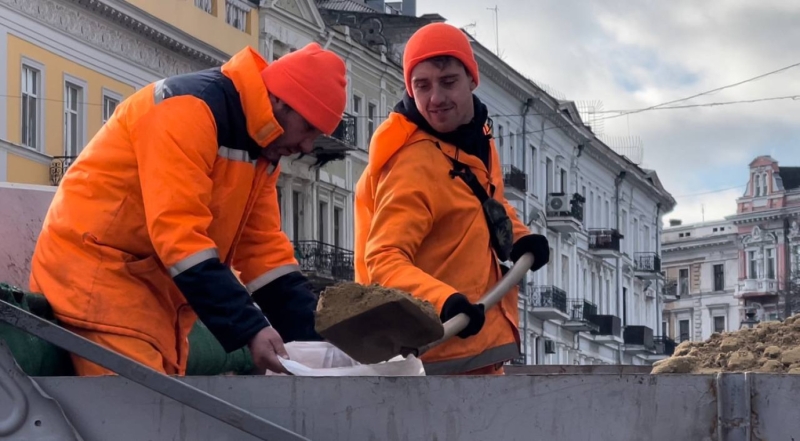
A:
[564,214]
[639,340]
[58,168]
[579,313]
[515,180]
[342,140]
[324,264]
[609,329]
[648,265]
[549,303]
[756,288]
[604,242]
[519,361]
[670,291]
[664,348]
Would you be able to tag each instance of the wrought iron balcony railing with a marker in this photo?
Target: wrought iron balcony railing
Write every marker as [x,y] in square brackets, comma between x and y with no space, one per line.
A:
[58,168]
[346,130]
[604,239]
[649,262]
[325,260]
[664,345]
[514,177]
[580,310]
[549,297]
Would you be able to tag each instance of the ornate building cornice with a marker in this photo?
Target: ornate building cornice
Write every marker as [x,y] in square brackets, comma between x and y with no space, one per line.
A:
[154,49]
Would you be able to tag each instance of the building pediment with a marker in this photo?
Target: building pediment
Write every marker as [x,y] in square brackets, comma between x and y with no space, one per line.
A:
[301,10]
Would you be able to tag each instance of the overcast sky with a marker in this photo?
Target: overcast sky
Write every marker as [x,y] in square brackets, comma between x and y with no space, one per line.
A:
[639,53]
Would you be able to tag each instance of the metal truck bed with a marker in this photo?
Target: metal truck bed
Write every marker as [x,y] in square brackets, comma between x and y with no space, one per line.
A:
[586,407]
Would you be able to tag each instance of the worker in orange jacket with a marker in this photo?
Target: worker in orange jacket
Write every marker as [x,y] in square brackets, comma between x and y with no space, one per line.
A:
[430,214]
[175,190]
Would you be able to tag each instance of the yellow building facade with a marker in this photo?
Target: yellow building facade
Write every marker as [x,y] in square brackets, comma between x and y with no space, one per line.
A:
[65,66]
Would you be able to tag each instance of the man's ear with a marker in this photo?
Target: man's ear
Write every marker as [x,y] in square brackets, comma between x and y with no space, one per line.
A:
[472,85]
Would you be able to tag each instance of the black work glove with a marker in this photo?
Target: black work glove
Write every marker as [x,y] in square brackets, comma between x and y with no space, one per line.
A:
[535,244]
[458,303]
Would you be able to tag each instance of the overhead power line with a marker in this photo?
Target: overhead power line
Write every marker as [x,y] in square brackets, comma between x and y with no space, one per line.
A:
[719,190]
[707,92]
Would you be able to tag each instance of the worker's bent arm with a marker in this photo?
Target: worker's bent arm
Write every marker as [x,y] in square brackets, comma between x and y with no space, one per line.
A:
[176,146]
[265,257]
[402,220]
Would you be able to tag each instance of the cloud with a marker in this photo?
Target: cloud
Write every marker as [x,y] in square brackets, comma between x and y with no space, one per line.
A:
[632,55]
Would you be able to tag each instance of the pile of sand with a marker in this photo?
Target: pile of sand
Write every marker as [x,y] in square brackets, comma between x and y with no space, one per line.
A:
[769,347]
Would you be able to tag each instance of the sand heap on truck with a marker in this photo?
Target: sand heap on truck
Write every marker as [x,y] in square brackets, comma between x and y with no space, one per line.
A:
[772,347]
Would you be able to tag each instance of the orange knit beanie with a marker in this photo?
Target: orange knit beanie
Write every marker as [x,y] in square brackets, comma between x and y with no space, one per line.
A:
[433,40]
[313,82]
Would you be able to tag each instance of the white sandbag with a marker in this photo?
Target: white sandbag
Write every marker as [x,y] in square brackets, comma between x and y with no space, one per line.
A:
[322,359]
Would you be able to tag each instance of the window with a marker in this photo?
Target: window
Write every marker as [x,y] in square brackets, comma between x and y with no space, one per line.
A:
[563,181]
[719,277]
[532,171]
[73,119]
[297,214]
[752,265]
[719,324]
[206,5]
[664,329]
[30,91]
[512,151]
[356,113]
[337,227]
[764,187]
[549,176]
[109,105]
[770,263]
[501,150]
[236,15]
[683,282]
[322,225]
[684,330]
[371,111]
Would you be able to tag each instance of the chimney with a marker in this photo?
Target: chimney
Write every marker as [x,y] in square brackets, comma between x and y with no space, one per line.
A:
[378,5]
[410,8]
[675,222]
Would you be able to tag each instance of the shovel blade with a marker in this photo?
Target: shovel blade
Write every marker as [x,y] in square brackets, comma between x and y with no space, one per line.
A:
[380,333]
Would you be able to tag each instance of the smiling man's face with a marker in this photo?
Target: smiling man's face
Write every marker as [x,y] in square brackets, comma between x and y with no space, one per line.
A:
[443,93]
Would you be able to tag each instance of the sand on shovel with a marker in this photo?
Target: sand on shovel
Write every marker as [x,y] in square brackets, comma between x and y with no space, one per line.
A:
[372,323]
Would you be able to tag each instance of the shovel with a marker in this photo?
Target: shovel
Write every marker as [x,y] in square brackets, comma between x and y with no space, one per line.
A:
[401,327]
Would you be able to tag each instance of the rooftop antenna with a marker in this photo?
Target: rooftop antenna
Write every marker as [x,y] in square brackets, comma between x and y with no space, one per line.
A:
[496,30]
[473,27]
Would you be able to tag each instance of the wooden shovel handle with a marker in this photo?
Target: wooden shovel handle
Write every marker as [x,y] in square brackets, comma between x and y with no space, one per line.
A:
[459,322]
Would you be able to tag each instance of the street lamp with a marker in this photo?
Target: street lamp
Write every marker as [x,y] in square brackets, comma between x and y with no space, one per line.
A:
[750,320]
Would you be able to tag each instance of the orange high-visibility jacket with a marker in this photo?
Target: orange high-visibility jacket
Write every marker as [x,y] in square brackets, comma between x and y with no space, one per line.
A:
[420,231]
[168,196]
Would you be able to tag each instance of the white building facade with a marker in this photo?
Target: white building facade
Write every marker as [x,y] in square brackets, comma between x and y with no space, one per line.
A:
[701,264]
[317,201]
[597,301]
[590,304]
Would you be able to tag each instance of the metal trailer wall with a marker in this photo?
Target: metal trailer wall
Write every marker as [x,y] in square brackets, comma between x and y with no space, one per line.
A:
[729,407]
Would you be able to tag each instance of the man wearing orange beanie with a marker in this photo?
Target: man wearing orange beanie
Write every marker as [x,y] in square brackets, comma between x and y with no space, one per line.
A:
[173,194]
[434,175]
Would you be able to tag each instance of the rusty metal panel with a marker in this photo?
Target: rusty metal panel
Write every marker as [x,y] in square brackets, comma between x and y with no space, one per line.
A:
[515,407]
[774,409]
[21,216]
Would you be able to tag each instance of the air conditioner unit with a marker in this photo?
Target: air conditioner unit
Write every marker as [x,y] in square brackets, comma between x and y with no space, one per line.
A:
[558,203]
